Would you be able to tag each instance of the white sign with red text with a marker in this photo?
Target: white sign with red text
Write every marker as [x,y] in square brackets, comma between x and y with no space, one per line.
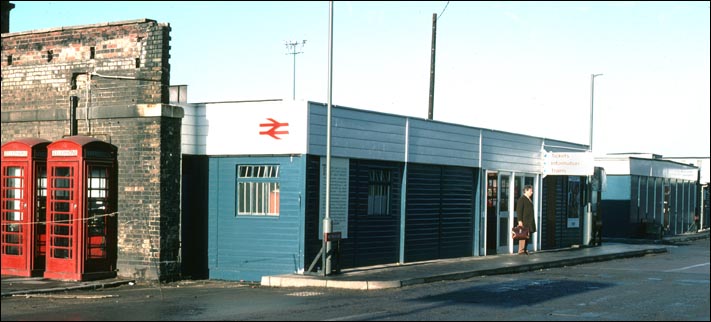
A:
[253,128]
[568,163]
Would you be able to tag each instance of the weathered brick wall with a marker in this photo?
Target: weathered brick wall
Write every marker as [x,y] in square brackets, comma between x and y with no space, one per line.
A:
[120,74]
[43,68]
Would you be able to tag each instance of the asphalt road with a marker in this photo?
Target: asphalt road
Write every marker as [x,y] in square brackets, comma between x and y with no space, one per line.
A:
[666,286]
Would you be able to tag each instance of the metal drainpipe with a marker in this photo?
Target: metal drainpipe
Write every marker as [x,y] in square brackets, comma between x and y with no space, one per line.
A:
[73,101]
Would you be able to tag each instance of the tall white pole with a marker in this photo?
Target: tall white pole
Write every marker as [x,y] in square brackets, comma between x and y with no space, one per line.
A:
[326,259]
[587,221]
[592,97]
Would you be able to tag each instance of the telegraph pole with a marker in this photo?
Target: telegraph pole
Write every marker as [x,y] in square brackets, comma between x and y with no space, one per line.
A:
[432,66]
[291,46]
[430,113]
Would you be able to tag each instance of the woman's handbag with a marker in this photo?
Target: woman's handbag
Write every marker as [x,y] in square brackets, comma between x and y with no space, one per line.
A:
[520,232]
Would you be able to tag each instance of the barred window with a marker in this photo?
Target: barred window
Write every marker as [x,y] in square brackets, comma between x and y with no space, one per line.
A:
[379,185]
[258,190]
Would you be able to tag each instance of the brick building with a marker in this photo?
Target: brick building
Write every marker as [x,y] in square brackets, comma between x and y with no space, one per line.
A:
[109,81]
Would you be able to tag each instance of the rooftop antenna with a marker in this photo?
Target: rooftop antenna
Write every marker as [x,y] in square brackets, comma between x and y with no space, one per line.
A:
[292,48]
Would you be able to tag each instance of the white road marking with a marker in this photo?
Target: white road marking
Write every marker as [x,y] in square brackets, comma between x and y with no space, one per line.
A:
[687,267]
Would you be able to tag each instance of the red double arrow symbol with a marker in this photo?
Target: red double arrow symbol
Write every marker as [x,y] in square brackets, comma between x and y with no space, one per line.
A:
[273,131]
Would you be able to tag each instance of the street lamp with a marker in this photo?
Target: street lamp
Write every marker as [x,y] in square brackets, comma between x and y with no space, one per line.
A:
[327,223]
[588,222]
[592,96]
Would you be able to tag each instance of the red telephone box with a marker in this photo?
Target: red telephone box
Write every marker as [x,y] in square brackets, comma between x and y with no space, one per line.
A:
[24,203]
[81,209]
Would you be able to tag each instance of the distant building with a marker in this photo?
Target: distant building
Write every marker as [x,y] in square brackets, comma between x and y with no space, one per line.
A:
[648,196]
[704,180]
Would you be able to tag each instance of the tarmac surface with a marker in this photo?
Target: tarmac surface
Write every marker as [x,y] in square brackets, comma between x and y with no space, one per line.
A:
[393,276]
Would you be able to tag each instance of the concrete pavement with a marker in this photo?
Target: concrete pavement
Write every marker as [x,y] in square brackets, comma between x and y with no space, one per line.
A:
[393,276]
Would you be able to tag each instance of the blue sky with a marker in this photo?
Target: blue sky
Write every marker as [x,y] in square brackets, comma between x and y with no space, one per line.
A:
[520,67]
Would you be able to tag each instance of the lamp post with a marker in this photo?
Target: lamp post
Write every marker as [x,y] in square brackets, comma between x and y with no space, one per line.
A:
[588,221]
[327,223]
[592,96]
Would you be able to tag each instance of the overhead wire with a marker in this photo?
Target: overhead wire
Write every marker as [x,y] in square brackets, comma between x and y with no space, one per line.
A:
[445,8]
[64,221]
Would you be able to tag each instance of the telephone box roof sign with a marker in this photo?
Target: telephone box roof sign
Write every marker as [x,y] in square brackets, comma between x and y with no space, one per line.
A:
[21,148]
[82,147]
[28,141]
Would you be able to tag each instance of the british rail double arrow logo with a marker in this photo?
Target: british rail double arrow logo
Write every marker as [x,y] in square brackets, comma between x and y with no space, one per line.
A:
[275,125]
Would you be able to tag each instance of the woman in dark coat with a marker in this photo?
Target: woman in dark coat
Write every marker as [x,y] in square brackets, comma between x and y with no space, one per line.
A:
[525,218]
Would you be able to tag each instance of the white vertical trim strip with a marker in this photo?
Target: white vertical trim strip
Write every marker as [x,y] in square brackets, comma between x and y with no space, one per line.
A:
[407,139]
[480,146]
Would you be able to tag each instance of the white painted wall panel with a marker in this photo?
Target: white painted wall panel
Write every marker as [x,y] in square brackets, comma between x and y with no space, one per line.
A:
[188,130]
[614,165]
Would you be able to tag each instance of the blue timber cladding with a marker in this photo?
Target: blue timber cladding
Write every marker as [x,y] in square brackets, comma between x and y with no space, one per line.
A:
[372,239]
[422,213]
[248,247]
[441,143]
[440,212]
[357,134]
[513,152]
[458,191]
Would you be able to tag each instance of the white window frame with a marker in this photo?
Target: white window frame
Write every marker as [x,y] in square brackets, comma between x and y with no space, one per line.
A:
[257,190]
